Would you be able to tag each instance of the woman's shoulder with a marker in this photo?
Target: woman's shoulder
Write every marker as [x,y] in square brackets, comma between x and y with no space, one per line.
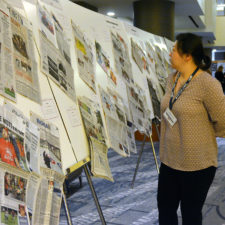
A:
[207,80]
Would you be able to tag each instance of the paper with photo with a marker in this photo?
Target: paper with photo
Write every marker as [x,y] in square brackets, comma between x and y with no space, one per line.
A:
[25,65]
[50,156]
[139,56]
[61,38]
[93,124]
[99,163]
[27,151]
[7,75]
[104,62]
[46,24]
[54,65]
[121,58]
[85,58]
[54,3]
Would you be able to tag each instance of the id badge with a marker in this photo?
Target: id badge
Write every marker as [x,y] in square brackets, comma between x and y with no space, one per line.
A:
[168,115]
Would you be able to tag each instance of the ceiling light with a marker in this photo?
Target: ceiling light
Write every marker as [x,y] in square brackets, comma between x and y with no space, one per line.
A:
[110,13]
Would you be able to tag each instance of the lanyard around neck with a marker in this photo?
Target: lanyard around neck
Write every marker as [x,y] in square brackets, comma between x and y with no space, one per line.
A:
[171,103]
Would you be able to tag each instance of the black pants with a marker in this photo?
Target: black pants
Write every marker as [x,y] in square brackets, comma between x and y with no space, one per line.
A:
[189,189]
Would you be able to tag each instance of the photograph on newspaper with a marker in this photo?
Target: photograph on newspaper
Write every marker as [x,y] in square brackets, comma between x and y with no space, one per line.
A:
[7,75]
[54,65]
[91,116]
[85,57]
[12,129]
[104,62]
[15,187]
[25,65]
[139,56]
[137,103]
[50,156]
[54,3]
[62,41]
[22,215]
[46,24]
[155,99]
[9,216]
[99,163]
[121,58]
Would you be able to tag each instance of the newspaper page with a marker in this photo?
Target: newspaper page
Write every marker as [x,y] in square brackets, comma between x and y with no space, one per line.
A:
[54,3]
[136,106]
[32,191]
[61,38]
[13,184]
[28,153]
[46,24]
[115,123]
[154,94]
[121,58]
[56,67]
[131,138]
[92,119]
[48,204]
[103,61]
[139,56]
[99,164]
[12,129]
[7,75]
[25,65]
[50,156]
[151,57]
[85,58]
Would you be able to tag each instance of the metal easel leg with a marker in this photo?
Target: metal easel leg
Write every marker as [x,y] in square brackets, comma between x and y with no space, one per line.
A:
[153,150]
[66,209]
[87,173]
[138,162]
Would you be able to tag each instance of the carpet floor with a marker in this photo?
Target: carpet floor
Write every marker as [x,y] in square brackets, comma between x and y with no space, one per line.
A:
[122,205]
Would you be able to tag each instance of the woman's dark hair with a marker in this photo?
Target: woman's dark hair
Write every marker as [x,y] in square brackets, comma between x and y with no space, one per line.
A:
[188,43]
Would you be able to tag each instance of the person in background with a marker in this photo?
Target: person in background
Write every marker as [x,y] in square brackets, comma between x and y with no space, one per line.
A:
[193,115]
[219,75]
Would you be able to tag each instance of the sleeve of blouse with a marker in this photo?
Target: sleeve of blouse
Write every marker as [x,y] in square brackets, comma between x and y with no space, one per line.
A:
[214,101]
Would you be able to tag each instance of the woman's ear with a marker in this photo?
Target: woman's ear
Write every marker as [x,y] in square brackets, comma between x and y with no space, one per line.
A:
[187,57]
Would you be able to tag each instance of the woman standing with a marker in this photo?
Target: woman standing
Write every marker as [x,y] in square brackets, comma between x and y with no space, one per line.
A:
[193,114]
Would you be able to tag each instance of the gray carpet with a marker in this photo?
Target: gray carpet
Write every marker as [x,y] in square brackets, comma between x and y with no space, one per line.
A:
[123,205]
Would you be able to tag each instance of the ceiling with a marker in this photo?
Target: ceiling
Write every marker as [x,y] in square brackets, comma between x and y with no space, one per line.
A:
[124,10]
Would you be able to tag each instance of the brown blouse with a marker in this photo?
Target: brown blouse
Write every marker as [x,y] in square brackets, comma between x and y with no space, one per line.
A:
[200,111]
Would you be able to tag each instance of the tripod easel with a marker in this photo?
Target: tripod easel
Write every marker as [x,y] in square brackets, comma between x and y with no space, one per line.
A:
[156,122]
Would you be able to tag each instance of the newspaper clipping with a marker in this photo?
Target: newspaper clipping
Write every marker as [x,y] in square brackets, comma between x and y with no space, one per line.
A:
[27,151]
[139,56]
[50,156]
[56,67]
[85,58]
[115,123]
[7,75]
[99,164]
[25,64]
[104,62]
[46,24]
[121,58]
[48,204]
[13,191]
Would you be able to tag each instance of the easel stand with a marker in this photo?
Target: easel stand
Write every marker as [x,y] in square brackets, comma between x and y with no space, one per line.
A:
[66,209]
[87,173]
[140,155]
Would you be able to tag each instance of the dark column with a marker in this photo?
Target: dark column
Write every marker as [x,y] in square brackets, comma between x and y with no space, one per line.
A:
[86,5]
[155,16]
